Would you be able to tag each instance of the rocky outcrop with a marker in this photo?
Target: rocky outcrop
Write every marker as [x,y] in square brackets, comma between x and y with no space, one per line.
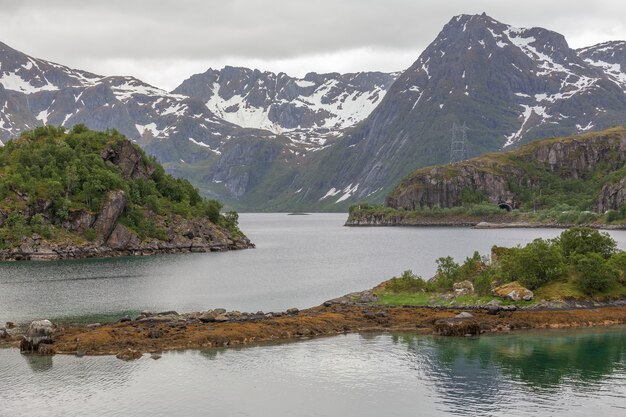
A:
[612,196]
[577,157]
[129,160]
[443,187]
[513,291]
[183,236]
[38,335]
[502,178]
[110,212]
[463,288]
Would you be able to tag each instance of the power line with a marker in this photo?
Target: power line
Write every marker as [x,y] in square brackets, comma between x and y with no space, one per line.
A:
[458,146]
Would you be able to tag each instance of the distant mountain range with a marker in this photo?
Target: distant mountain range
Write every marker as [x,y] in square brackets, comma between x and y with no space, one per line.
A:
[265,141]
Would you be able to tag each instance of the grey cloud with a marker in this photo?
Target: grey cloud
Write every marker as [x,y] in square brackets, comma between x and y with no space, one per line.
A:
[270,31]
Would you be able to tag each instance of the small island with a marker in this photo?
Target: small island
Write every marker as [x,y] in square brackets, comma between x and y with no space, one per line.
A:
[85,194]
[575,280]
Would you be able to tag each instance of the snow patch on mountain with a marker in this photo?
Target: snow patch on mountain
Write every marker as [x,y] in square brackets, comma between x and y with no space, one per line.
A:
[12,81]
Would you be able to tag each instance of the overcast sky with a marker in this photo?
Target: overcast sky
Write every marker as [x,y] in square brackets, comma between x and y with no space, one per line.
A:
[164,42]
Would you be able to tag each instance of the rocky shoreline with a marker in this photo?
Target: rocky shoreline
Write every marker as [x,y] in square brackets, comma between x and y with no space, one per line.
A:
[456,221]
[33,249]
[130,338]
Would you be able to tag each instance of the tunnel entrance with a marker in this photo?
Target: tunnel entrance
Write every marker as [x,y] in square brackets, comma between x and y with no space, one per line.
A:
[505,206]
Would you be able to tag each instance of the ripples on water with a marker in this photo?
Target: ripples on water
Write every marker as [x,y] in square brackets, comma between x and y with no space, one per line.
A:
[527,374]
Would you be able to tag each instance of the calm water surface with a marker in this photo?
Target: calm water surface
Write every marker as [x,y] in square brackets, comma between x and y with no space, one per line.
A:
[300,261]
[529,374]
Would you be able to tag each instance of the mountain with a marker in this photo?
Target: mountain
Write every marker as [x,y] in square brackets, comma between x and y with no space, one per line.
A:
[508,85]
[270,142]
[610,57]
[307,107]
[225,159]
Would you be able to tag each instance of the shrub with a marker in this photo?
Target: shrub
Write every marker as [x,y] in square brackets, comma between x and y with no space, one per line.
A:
[584,240]
[533,265]
[594,273]
[407,282]
[618,262]
[447,273]
[90,234]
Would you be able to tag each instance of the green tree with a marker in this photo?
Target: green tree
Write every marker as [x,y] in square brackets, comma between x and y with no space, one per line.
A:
[594,273]
[584,240]
[533,265]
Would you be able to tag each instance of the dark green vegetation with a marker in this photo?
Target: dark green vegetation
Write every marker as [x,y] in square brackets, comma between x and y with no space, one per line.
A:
[570,180]
[48,175]
[581,263]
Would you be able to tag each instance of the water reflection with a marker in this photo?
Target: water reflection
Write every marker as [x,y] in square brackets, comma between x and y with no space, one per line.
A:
[541,359]
[38,363]
[527,374]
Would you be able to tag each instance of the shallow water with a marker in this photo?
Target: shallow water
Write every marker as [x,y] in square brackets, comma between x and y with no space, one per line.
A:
[300,261]
[546,373]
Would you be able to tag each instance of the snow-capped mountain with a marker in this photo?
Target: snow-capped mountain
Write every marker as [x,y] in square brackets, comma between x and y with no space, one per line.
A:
[264,141]
[283,104]
[509,85]
[228,121]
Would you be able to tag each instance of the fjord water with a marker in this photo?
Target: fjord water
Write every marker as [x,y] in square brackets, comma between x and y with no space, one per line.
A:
[545,373]
[300,261]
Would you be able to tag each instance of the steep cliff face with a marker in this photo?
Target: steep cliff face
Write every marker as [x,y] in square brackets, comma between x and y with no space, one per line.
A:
[443,187]
[612,196]
[586,164]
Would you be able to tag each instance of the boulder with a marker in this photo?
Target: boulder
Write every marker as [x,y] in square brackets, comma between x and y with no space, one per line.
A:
[457,327]
[207,316]
[4,335]
[463,288]
[464,315]
[513,291]
[221,318]
[129,354]
[292,311]
[493,307]
[39,333]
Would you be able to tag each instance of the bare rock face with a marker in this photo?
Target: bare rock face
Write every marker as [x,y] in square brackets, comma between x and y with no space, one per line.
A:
[122,238]
[111,210]
[443,186]
[572,158]
[38,335]
[513,291]
[128,159]
[612,196]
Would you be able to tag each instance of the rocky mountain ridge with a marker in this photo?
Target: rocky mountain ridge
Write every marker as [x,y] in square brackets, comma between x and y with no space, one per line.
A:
[301,108]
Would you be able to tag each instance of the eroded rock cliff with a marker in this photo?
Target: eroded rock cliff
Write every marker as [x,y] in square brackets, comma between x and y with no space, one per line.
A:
[589,164]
